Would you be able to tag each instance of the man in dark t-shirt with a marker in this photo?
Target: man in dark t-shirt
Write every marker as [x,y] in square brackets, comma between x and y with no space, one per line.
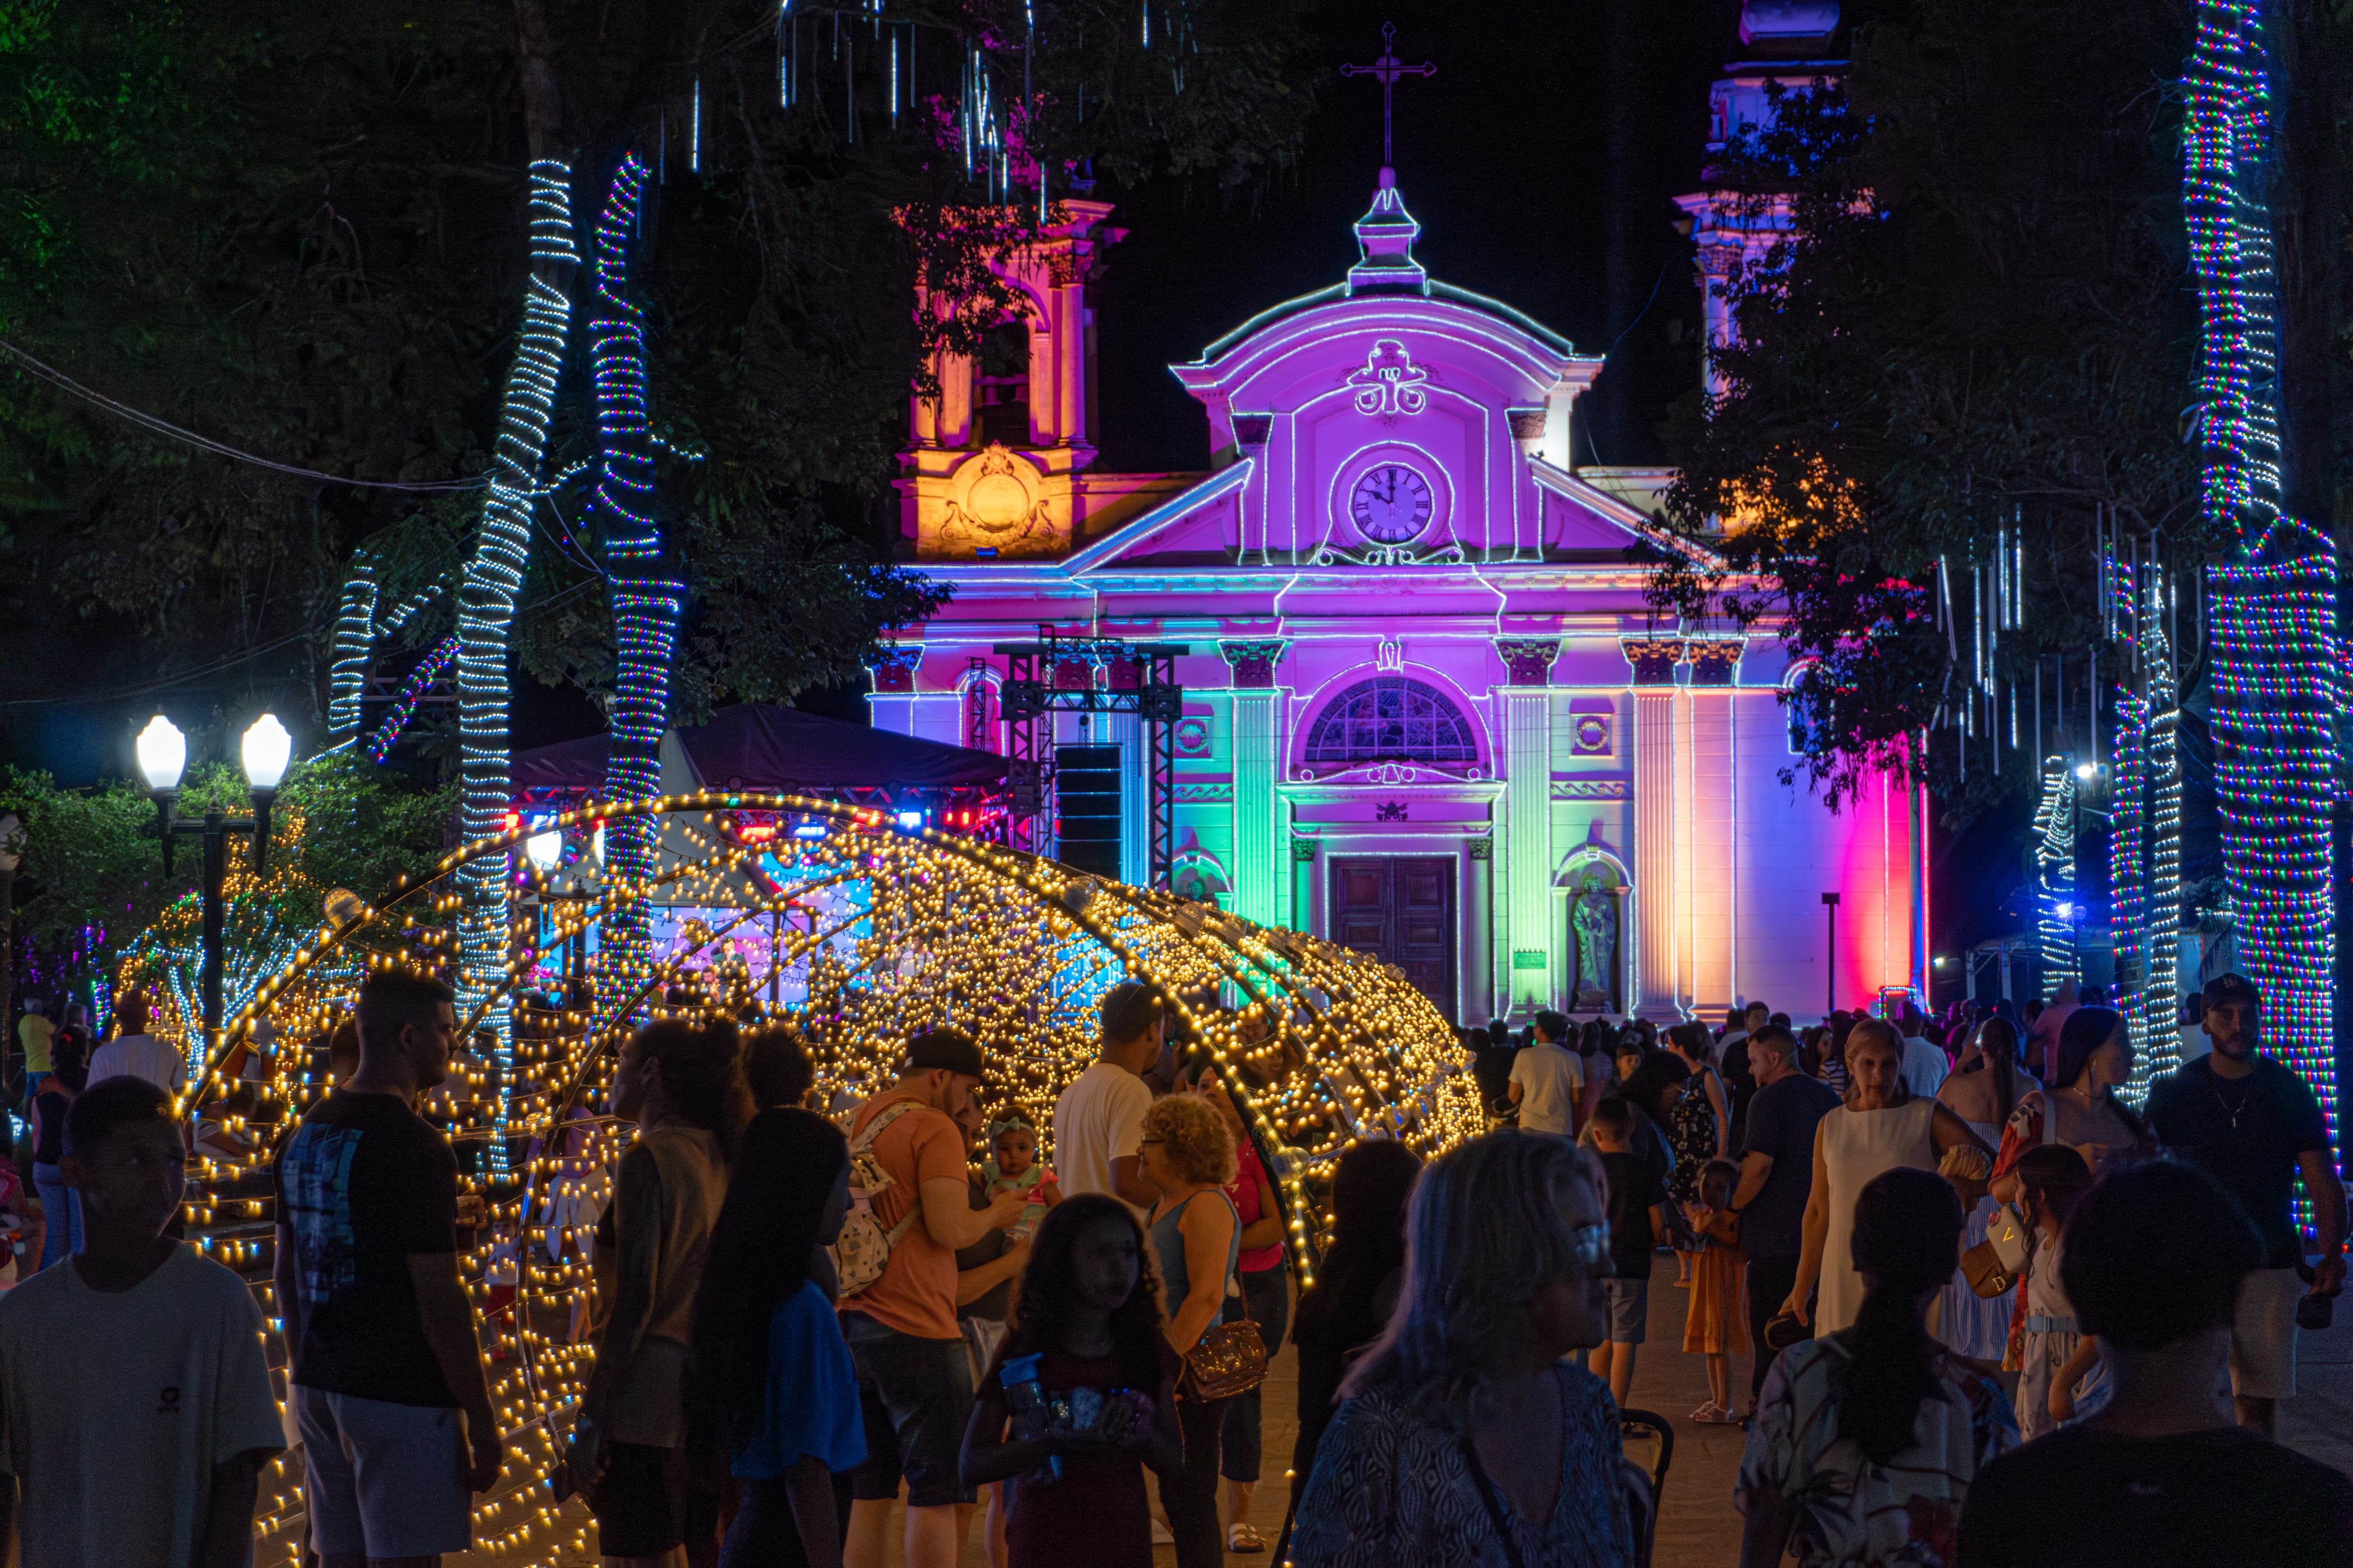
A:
[2254,1126]
[2158,1478]
[1777,1178]
[1490,1066]
[1739,1072]
[387,1381]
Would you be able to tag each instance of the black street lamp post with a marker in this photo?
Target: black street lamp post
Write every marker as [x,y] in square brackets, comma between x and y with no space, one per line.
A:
[163,758]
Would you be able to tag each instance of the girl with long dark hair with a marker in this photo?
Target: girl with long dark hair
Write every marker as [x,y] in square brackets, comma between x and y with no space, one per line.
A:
[1086,1354]
[1983,1093]
[2093,1055]
[2056,1361]
[777,1399]
[1358,1287]
[1866,1440]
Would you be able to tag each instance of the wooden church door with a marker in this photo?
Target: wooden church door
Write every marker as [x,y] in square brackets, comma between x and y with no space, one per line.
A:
[1400,910]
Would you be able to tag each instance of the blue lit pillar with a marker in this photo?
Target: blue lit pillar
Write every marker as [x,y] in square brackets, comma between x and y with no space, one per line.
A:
[1526,704]
[1262,862]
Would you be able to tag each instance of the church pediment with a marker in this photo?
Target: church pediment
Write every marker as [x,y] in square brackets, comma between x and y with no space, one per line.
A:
[1584,522]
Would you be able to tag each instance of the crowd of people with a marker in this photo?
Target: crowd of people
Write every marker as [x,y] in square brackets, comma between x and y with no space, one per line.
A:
[1995,1316]
[1945,1240]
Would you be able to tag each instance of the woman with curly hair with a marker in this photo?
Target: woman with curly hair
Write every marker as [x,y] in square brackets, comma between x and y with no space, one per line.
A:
[1467,1440]
[1196,1235]
[1086,1332]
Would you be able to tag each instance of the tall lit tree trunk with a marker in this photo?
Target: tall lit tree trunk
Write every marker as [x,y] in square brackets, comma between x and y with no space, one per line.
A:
[644,595]
[493,578]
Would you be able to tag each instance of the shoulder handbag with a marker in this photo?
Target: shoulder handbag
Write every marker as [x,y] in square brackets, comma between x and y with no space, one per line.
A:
[1228,1359]
[1993,1265]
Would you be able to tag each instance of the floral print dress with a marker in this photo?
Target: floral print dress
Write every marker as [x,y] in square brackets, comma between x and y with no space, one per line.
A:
[1851,1513]
[1391,1490]
[1694,1140]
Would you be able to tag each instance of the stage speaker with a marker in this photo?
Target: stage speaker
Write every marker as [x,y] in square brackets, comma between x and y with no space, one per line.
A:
[1087,808]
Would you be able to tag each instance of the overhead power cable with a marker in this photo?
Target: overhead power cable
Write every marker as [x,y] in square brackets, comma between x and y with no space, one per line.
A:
[164,427]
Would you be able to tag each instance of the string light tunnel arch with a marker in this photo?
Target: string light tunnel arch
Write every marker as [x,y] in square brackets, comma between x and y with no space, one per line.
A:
[858,928]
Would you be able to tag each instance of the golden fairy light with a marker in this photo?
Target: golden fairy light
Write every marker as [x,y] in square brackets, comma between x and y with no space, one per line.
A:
[857,932]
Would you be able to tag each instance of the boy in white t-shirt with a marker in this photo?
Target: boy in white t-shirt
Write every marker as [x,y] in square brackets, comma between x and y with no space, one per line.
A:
[1546,1080]
[136,1407]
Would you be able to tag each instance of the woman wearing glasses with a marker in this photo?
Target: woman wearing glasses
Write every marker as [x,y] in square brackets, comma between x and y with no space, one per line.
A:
[1465,1438]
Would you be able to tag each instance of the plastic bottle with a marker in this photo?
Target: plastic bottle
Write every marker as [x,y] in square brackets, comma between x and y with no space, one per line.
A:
[1027,1402]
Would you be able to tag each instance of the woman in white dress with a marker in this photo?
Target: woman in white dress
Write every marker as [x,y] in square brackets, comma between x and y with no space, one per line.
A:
[1983,1093]
[1881,1125]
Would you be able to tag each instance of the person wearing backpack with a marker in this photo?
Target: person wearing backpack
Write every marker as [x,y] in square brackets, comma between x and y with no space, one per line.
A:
[896,1258]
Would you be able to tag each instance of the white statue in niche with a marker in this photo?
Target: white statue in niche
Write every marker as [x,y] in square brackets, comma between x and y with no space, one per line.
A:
[1593,918]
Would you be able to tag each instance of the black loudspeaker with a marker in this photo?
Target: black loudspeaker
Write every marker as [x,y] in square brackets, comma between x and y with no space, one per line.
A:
[1021,783]
[1087,808]
[1164,704]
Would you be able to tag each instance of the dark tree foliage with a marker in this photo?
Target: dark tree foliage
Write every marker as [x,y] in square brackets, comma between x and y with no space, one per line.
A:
[1985,323]
[297,229]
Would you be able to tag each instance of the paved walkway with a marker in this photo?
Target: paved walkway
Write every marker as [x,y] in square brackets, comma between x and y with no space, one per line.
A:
[1697,1525]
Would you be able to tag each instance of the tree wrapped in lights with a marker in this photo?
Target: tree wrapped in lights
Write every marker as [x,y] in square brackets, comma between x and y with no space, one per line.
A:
[2274,780]
[2146,847]
[486,601]
[645,597]
[858,934]
[2273,605]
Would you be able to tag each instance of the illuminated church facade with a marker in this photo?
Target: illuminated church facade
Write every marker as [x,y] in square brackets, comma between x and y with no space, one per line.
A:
[1426,710]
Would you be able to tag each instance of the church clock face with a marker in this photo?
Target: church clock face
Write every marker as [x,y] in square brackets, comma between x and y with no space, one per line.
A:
[1391,503]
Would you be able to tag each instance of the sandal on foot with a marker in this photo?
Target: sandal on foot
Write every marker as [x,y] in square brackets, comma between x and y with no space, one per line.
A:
[1241,1537]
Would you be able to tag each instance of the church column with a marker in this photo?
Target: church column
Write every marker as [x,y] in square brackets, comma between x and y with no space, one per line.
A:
[1260,864]
[1714,869]
[1527,816]
[1656,950]
[947,420]
[1479,992]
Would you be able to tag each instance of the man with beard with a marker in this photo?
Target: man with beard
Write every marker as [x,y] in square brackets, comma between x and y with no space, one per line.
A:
[388,1385]
[2253,1124]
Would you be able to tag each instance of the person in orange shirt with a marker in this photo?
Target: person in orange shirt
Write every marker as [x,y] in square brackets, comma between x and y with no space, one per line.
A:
[914,1382]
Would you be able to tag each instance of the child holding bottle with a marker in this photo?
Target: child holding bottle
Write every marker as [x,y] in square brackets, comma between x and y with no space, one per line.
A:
[1081,1398]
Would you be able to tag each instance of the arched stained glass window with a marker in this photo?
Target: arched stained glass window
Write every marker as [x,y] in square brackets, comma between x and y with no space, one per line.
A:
[1389,718]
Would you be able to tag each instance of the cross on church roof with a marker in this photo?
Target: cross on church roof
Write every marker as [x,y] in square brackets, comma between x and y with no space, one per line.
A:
[1386,70]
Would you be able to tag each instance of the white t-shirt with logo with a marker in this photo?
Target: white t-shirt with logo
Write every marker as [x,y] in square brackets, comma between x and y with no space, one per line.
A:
[140,1056]
[1099,1118]
[1550,1079]
[115,1406]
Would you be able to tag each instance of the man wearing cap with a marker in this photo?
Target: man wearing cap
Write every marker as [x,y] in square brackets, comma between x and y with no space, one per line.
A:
[913,1381]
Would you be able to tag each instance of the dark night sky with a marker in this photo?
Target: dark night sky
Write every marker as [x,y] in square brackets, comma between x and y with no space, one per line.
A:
[1541,161]
[1506,158]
